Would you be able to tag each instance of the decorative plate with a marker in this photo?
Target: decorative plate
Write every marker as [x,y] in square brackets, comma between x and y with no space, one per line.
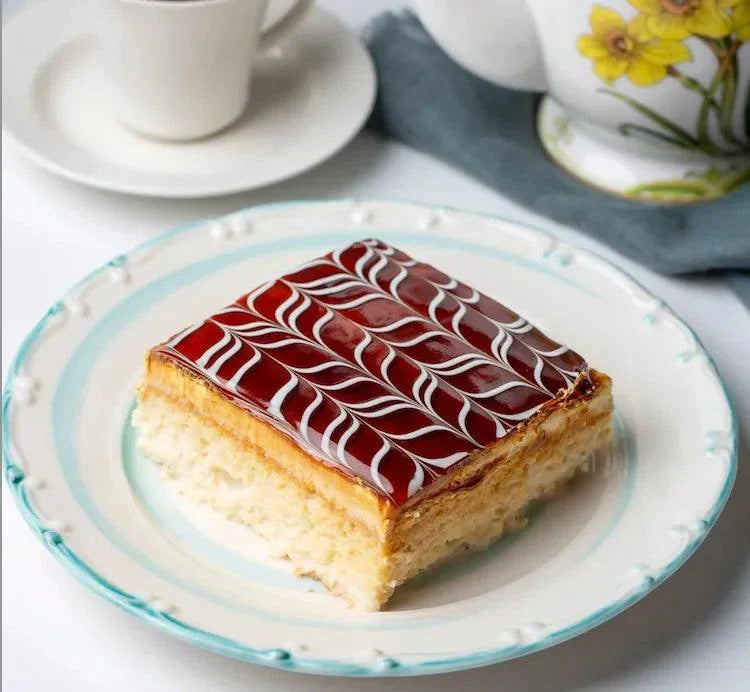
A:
[107,515]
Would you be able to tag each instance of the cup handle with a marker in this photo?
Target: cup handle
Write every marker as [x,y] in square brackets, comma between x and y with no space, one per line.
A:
[285,25]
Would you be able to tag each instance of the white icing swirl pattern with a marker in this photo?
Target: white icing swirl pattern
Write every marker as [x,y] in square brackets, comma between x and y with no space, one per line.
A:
[382,367]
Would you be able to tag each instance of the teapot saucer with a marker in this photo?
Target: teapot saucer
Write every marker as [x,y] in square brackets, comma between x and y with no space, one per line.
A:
[629,169]
[309,99]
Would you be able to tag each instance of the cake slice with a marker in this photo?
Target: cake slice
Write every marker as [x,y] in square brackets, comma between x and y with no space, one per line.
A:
[370,417]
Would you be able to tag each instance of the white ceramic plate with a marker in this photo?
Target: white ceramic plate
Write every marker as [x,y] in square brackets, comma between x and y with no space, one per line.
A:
[106,514]
[308,102]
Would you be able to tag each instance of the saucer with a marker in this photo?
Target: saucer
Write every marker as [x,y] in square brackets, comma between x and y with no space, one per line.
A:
[310,97]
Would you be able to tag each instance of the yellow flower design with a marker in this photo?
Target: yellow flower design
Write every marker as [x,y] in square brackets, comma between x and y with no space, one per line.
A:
[678,19]
[740,17]
[618,48]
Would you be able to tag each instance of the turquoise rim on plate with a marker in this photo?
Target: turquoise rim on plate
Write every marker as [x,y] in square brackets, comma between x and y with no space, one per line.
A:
[283,658]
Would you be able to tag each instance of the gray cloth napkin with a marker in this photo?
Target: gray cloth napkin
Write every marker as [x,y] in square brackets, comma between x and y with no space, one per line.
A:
[428,101]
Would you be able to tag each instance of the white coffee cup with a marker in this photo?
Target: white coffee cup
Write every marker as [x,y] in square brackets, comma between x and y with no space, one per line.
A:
[182,69]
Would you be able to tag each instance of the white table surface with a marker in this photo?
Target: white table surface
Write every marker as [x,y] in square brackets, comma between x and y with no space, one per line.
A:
[691,633]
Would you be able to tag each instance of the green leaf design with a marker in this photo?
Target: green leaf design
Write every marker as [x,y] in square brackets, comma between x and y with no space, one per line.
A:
[708,184]
[676,130]
[735,181]
[728,96]
[692,84]
[627,128]
[670,189]
[718,48]
[677,136]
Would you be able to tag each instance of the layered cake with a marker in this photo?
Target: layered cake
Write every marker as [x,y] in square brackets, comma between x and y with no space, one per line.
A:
[370,417]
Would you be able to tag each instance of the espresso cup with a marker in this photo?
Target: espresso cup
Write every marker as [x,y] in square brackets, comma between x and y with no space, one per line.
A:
[182,69]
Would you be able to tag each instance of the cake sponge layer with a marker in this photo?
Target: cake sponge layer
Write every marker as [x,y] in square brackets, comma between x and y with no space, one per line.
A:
[358,548]
[239,480]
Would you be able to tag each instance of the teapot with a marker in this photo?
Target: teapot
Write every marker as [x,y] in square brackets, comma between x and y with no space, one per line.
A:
[645,99]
